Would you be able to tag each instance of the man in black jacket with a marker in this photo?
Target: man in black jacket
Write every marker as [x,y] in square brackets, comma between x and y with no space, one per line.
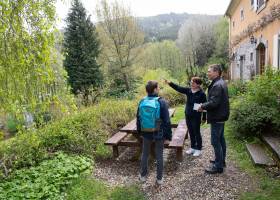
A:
[217,107]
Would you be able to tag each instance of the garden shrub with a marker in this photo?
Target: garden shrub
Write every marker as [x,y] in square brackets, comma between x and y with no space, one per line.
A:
[258,111]
[45,181]
[82,133]
[237,88]
[13,124]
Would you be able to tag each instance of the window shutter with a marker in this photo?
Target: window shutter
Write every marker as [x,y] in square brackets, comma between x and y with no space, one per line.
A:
[255,5]
[275,50]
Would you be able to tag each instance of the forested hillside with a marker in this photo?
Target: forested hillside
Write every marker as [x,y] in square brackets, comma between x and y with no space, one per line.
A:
[165,26]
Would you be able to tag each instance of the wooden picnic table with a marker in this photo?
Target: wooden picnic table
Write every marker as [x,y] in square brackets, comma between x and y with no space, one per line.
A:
[123,137]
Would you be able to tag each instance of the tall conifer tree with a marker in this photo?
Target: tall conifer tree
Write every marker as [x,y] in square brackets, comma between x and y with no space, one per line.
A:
[82,49]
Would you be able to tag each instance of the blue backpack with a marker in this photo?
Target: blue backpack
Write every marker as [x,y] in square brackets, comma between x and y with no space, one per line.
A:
[149,114]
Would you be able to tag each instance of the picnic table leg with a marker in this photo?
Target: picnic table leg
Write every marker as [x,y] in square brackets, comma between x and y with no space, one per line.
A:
[179,154]
[115,151]
[187,135]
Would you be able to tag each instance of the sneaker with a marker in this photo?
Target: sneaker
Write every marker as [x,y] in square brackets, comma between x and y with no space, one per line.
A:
[159,182]
[197,153]
[190,151]
[142,178]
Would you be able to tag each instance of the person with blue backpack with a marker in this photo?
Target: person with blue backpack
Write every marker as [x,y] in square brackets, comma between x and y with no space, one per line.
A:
[195,97]
[153,123]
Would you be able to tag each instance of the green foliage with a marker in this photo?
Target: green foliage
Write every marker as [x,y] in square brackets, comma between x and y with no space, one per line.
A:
[29,69]
[237,88]
[82,49]
[173,97]
[23,150]
[252,119]
[88,189]
[257,111]
[12,124]
[129,193]
[179,114]
[165,55]
[220,54]
[45,181]
[162,27]
[83,133]
[121,39]
[2,135]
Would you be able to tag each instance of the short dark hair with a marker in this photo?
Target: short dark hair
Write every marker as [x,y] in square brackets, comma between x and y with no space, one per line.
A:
[151,86]
[216,68]
[197,80]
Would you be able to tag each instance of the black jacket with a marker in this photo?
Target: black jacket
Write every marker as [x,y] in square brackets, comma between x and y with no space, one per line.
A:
[165,131]
[197,97]
[217,105]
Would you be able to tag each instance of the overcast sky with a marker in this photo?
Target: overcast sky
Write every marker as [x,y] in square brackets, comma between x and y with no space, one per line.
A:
[142,8]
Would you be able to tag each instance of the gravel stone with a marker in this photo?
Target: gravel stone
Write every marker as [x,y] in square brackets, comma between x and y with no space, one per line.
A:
[182,180]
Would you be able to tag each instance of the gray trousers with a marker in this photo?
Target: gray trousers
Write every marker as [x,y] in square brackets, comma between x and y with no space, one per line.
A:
[145,156]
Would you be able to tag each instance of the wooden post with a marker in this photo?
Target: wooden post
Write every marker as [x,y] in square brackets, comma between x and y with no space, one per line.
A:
[179,154]
[115,151]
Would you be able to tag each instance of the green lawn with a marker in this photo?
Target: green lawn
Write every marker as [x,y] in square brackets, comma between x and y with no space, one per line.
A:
[86,188]
[179,114]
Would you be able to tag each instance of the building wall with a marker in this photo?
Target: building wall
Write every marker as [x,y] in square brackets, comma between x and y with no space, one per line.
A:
[245,47]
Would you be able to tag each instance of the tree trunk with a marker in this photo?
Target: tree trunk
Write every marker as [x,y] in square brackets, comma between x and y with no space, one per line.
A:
[126,82]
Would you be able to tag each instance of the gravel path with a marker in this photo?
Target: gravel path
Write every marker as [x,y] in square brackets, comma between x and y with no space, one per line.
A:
[185,180]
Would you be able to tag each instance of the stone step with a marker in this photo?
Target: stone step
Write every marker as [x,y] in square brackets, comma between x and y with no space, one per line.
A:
[259,155]
[273,142]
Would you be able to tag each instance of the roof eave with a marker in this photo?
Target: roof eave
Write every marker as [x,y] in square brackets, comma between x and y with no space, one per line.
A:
[232,5]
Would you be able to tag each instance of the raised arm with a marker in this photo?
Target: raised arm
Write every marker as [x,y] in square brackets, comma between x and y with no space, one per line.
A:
[183,90]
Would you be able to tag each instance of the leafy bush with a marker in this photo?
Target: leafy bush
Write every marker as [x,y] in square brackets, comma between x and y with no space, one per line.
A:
[237,88]
[24,150]
[46,181]
[257,111]
[252,119]
[82,133]
[12,124]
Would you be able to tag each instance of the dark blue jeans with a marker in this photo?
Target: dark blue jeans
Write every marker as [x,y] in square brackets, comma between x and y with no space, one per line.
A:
[218,142]
[145,155]
[193,124]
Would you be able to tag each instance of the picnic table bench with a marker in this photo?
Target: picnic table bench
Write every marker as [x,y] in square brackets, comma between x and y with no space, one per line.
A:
[127,136]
